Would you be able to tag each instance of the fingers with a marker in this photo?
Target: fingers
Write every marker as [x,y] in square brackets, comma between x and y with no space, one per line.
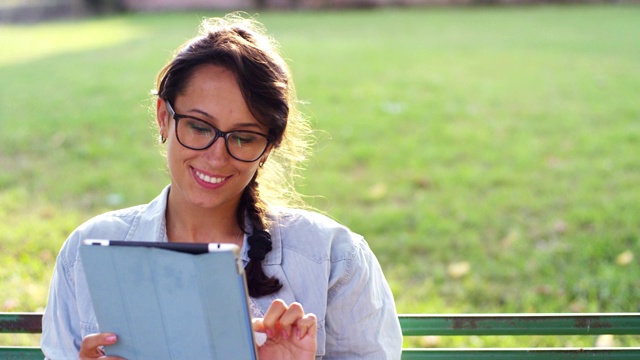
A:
[281,318]
[91,347]
[269,323]
[307,325]
[283,321]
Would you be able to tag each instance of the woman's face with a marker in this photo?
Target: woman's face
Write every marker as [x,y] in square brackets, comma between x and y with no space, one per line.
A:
[209,178]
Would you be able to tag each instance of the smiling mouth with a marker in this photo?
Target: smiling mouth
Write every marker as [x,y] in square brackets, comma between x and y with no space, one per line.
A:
[209,179]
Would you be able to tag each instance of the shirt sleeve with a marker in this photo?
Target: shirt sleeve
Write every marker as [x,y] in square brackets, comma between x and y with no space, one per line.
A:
[361,319]
[61,334]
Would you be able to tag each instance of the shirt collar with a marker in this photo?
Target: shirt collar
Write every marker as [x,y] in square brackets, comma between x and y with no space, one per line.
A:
[150,225]
[152,221]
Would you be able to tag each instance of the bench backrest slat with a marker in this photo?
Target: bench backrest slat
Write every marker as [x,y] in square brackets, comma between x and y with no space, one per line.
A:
[521,324]
[417,325]
[529,354]
[21,353]
[21,323]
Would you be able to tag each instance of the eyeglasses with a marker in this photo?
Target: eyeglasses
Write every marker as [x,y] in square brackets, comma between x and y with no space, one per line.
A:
[196,134]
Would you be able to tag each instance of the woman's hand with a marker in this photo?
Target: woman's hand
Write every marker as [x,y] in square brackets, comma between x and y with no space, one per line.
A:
[91,346]
[291,334]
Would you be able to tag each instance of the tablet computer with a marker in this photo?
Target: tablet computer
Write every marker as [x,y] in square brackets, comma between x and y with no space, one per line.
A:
[170,300]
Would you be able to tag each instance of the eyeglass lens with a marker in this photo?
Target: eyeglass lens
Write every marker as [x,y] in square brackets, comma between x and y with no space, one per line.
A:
[242,145]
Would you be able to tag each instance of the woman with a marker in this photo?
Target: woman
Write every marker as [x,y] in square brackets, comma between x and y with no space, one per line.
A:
[225,110]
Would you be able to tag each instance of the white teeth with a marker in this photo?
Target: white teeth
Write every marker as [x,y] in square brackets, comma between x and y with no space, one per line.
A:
[209,179]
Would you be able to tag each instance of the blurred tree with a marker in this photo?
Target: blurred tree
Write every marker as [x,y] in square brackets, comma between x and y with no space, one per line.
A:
[104,6]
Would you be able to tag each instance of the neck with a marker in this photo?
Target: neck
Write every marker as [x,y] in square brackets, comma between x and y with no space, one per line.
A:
[201,225]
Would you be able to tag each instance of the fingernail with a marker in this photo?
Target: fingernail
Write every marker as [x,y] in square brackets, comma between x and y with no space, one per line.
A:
[269,332]
[110,338]
[298,334]
[284,334]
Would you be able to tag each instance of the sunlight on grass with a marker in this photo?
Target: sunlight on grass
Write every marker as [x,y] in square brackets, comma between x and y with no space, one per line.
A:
[22,43]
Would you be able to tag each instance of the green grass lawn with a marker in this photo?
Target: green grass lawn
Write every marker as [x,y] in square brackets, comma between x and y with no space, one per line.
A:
[488,155]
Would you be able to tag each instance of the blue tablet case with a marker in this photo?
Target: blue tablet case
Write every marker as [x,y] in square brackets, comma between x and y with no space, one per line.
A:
[164,304]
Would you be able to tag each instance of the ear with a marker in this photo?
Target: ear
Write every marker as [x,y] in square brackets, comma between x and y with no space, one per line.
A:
[162,117]
[265,156]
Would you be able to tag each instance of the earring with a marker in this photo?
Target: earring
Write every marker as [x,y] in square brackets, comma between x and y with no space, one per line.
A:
[261,163]
[163,139]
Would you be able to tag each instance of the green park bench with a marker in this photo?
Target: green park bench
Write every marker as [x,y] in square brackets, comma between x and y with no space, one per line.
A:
[444,325]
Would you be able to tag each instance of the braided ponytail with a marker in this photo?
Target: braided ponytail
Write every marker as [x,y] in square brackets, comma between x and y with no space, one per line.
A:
[253,209]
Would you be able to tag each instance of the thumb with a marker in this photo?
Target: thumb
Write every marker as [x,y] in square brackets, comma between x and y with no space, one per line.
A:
[257,324]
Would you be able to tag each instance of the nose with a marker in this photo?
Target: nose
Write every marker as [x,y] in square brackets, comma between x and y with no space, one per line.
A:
[217,153]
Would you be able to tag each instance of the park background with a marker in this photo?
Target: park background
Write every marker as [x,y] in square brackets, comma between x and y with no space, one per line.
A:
[488,154]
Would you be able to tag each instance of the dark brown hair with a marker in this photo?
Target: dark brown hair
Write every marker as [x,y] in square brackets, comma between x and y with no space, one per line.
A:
[239,45]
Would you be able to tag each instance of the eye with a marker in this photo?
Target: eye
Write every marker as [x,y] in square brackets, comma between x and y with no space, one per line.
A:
[241,139]
[198,127]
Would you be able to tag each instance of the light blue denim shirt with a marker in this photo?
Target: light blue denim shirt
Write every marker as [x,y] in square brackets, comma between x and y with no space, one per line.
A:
[328,269]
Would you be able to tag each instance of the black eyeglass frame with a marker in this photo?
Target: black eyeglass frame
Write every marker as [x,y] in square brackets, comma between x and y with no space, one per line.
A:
[219,134]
